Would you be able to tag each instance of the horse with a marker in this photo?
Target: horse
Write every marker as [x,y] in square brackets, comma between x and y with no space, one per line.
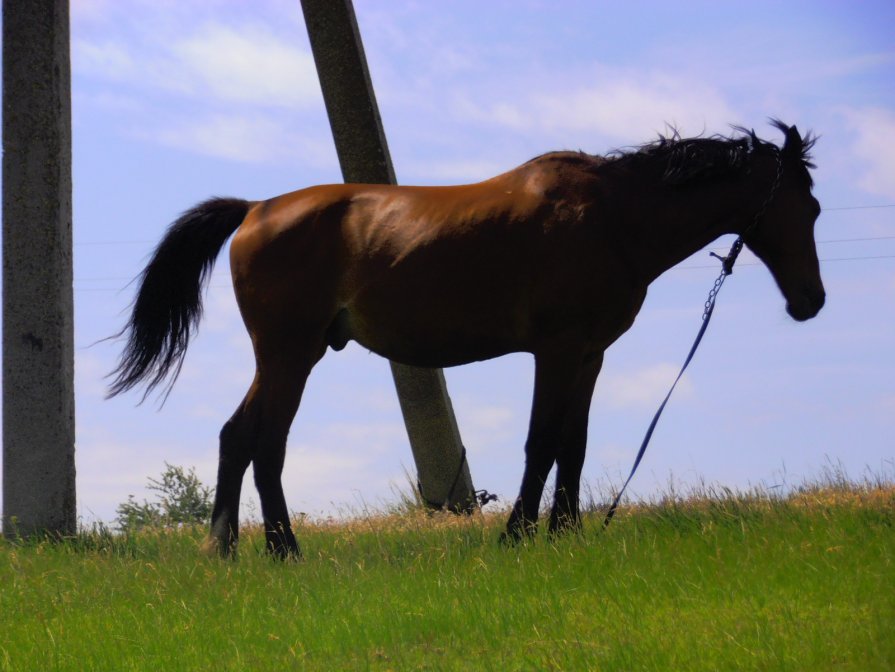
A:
[552,258]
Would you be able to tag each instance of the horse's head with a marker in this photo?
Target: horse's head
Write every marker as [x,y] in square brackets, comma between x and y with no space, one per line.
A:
[783,234]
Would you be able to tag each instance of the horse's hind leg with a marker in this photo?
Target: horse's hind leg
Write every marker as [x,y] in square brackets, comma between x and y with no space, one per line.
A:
[572,447]
[283,380]
[234,458]
[257,433]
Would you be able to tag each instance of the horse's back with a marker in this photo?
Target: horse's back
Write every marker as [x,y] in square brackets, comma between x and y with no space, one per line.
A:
[363,224]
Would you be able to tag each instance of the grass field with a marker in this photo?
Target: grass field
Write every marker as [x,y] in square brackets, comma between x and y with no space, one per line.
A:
[716,581]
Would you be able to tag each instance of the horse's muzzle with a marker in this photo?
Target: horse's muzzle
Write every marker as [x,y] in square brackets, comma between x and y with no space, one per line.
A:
[807,305]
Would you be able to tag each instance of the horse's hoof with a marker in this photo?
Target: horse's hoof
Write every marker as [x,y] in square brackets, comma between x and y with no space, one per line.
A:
[513,536]
[564,525]
[286,555]
[213,548]
[284,548]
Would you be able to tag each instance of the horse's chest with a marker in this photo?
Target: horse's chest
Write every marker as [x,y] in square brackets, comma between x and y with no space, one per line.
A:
[598,309]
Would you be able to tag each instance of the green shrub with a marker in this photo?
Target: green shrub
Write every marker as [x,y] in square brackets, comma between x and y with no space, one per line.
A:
[182,499]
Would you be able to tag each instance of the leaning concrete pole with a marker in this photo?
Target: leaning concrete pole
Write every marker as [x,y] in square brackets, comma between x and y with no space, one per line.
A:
[363,154]
[38,359]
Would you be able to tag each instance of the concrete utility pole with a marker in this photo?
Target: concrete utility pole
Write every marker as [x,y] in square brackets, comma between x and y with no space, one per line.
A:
[38,356]
[363,154]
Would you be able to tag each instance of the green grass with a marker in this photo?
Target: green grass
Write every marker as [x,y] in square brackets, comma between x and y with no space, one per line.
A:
[719,581]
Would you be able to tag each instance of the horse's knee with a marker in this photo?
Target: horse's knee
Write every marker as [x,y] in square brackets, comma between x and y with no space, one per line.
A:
[267,476]
[234,455]
[229,432]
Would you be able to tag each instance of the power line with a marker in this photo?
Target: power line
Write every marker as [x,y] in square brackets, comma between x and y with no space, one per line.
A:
[92,243]
[829,242]
[879,256]
[860,207]
[756,263]
[854,240]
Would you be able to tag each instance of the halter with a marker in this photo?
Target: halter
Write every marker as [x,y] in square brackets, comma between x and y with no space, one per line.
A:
[726,269]
[735,249]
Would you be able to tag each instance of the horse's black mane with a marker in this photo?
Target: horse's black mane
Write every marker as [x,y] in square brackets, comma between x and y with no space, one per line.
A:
[691,159]
[700,158]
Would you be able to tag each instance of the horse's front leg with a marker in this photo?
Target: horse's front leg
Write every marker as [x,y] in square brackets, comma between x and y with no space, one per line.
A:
[565,514]
[556,373]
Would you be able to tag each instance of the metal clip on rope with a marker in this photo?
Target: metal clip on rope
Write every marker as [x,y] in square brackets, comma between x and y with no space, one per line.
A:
[481,496]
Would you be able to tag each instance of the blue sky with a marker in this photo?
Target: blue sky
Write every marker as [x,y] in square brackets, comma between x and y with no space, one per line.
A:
[177,101]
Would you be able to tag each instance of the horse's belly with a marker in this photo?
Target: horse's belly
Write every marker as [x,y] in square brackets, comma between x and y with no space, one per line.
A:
[431,339]
[430,354]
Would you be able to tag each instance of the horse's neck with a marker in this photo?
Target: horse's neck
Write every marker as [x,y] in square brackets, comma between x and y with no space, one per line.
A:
[683,226]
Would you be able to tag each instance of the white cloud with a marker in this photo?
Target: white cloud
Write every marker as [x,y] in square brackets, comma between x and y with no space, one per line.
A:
[343,462]
[108,60]
[460,170]
[89,9]
[626,107]
[251,65]
[491,418]
[314,469]
[619,104]
[485,425]
[643,388]
[613,453]
[90,369]
[252,138]
[367,439]
[242,84]
[874,145]
[107,101]
[234,137]
[221,313]
[109,469]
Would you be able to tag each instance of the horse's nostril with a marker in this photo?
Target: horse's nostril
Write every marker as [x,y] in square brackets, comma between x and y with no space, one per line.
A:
[817,297]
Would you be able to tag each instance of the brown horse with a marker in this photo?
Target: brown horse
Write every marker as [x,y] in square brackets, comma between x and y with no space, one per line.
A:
[552,258]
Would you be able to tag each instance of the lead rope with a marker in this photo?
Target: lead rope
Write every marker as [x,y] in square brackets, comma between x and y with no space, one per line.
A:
[726,269]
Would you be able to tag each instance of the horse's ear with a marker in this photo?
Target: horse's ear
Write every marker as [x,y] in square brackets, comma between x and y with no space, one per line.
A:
[792,146]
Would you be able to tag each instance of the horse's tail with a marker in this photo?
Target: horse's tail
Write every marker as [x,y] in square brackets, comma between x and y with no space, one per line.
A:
[168,305]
